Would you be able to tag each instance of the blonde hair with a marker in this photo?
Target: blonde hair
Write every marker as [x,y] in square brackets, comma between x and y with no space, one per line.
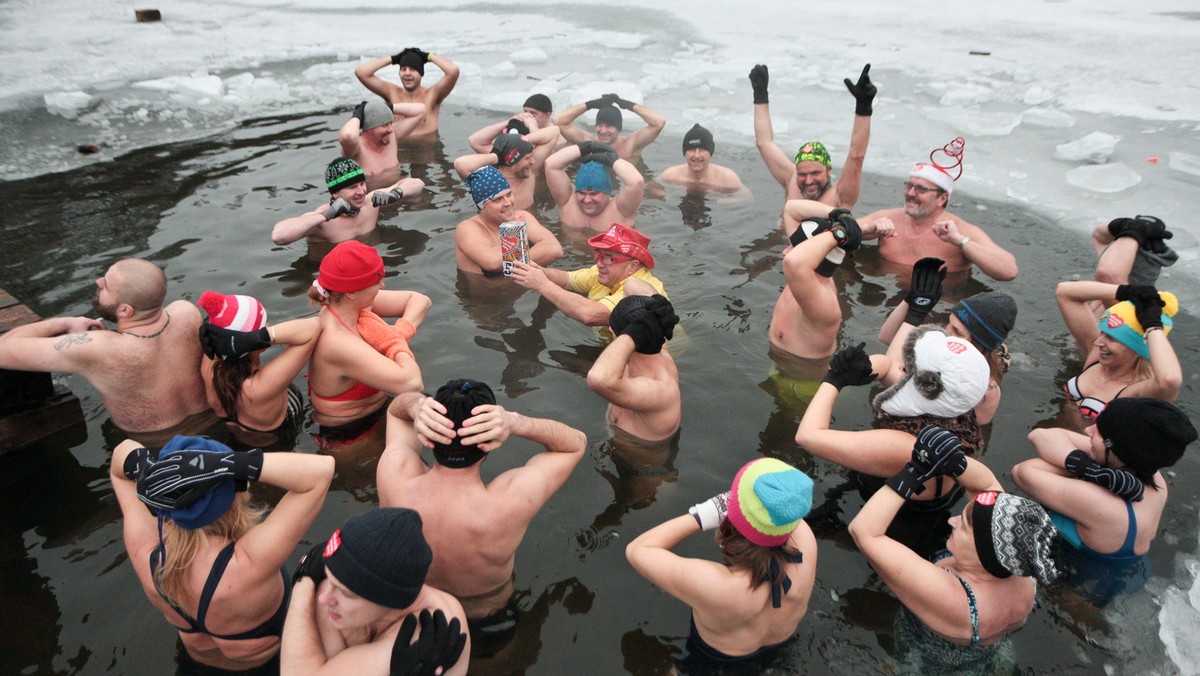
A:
[182,545]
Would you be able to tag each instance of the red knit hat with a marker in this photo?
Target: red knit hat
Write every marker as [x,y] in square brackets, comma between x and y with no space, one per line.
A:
[627,241]
[351,266]
[237,313]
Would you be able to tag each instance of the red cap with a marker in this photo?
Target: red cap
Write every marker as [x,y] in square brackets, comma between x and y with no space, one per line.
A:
[627,241]
[351,266]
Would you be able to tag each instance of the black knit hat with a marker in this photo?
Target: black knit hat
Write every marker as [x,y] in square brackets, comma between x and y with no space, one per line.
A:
[988,317]
[460,397]
[610,115]
[539,102]
[699,137]
[381,556]
[1146,434]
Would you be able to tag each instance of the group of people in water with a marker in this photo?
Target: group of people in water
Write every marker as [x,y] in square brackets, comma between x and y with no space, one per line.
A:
[421,583]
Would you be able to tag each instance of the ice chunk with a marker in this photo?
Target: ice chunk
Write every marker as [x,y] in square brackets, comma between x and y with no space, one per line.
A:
[529,55]
[1046,117]
[1188,164]
[1096,148]
[1037,95]
[967,95]
[978,123]
[70,104]
[1104,177]
[198,86]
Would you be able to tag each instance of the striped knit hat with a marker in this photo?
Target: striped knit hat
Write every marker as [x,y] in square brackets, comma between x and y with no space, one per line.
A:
[236,313]
[767,501]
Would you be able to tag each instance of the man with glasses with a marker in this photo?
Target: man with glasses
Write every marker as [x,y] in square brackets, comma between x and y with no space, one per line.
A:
[589,295]
[924,228]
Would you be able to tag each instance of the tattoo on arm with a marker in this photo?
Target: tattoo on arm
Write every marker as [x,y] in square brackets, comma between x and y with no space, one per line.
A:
[72,339]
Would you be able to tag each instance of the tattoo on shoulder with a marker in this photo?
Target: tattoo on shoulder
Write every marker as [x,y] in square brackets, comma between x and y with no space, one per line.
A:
[72,339]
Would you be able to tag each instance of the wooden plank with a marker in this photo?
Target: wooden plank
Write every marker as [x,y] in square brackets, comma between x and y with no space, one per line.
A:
[22,429]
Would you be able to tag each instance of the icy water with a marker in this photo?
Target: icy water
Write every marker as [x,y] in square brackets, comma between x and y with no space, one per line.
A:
[204,209]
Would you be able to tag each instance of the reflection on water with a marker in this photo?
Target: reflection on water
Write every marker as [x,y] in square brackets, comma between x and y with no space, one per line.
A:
[204,210]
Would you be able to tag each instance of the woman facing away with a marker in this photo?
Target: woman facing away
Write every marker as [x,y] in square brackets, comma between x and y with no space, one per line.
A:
[959,607]
[260,403]
[1126,353]
[749,605]
[359,358]
[985,319]
[206,558]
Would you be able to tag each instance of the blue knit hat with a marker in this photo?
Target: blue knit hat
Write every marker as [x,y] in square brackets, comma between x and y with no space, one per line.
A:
[213,504]
[593,176]
[485,183]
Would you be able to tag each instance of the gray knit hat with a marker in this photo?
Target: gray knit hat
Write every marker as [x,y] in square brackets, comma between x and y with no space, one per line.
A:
[382,556]
[376,114]
[1014,536]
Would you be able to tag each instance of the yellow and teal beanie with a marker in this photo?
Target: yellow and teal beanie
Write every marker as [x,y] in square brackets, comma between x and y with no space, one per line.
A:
[767,501]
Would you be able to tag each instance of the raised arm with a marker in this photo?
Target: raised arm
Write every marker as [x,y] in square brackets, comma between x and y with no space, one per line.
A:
[544,141]
[564,119]
[778,163]
[544,473]
[1073,298]
[444,86]
[366,75]
[401,458]
[633,187]
[687,579]
[978,248]
[300,336]
[63,344]
[850,182]
[556,173]
[655,123]
[463,166]
[607,378]
[409,305]
[298,227]
[306,478]
[409,118]
[818,304]
[349,134]
[481,141]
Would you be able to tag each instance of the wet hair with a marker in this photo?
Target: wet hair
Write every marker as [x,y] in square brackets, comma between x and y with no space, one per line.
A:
[228,378]
[742,553]
[183,544]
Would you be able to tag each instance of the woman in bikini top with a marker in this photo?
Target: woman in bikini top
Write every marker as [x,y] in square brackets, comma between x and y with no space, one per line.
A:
[213,568]
[1128,361]
[350,371]
[250,396]
[985,588]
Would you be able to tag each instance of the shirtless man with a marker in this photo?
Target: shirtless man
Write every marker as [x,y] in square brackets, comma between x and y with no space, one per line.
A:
[589,295]
[807,315]
[473,528]
[698,171]
[591,203]
[540,107]
[609,124]
[635,374]
[367,137]
[924,228]
[518,152]
[147,371]
[477,246]
[412,68]
[810,174]
[351,212]
[351,595]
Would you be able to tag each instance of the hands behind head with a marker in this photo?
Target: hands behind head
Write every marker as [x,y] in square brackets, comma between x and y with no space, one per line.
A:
[936,452]
[710,513]
[433,653]
[312,565]
[850,366]
[925,289]
[653,327]
[595,151]
[488,427]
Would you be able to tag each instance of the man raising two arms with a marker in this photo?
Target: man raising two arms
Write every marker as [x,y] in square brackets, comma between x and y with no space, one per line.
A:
[412,69]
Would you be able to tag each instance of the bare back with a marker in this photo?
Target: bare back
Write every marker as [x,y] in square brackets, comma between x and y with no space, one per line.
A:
[662,419]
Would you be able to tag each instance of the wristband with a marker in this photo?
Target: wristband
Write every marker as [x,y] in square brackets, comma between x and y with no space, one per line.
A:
[963,243]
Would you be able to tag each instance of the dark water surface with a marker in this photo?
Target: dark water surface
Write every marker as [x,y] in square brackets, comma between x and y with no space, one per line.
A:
[204,211]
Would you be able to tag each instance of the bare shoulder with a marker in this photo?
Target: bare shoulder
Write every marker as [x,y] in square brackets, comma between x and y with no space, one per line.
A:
[185,311]
[675,174]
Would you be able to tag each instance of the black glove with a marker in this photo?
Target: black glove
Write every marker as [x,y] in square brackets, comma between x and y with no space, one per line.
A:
[420,52]
[359,113]
[381,199]
[850,366]
[136,463]
[182,477]
[619,102]
[597,103]
[863,91]
[1147,306]
[845,229]
[1145,229]
[758,80]
[1120,482]
[311,565]
[229,344]
[646,332]
[936,452]
[339,207]
[662,308]
[435,651]
[925,289]
[397,56]
[595,151]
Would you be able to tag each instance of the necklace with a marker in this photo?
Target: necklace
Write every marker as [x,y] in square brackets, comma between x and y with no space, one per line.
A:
[152,335]
[918,235]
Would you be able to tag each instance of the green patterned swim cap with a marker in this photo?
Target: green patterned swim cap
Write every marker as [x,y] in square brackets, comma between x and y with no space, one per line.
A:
[814,151]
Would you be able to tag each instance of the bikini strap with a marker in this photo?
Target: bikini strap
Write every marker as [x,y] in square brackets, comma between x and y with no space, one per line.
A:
[780,582]
[210,585]
[970,604]
[1131,532]
[339,319]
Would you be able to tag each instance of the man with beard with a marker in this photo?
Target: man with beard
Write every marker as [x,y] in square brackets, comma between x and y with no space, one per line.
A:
[592,204]
[147,371]
[368,136]
[412,69]
[351,211]
[477,239]
[809,175]
[609,123]
[924,228]
[518,152]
